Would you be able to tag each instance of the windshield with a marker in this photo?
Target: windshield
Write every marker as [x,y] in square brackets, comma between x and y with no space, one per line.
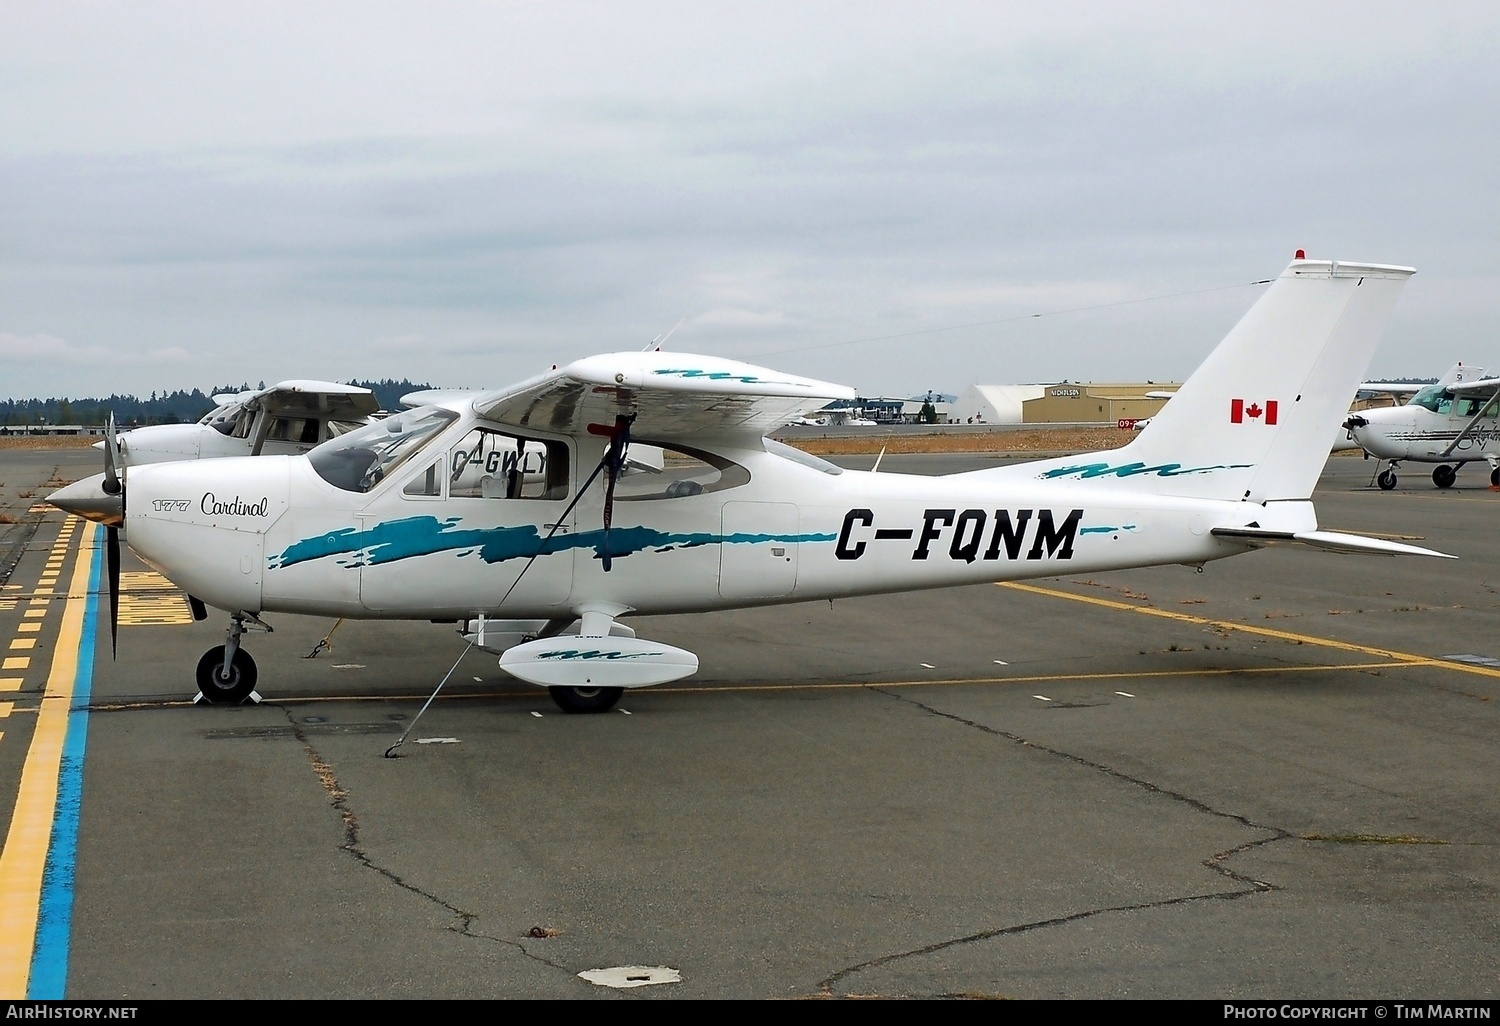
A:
[359,460]
[1434,397]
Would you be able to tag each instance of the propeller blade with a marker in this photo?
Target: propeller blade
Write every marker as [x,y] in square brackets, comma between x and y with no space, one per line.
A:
[614,462]
[111,483]
[112,559]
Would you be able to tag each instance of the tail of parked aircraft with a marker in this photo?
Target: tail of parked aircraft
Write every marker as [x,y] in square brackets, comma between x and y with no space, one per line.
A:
[1254,421]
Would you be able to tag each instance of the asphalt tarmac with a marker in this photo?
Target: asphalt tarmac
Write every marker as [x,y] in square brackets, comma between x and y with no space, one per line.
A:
[1274,779]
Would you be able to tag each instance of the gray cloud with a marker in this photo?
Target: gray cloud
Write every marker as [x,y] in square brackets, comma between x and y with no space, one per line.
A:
[468,194]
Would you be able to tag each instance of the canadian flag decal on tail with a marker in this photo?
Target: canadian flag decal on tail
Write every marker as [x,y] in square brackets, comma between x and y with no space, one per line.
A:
[1239,411]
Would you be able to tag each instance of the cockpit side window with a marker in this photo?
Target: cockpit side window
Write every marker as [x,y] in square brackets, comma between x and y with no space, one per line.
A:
[360,460]
[490,464]
[426,485]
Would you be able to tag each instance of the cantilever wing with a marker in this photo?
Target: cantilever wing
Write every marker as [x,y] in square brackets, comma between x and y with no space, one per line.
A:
[1391,388]
[324,399]
[672,395]
[1478,386]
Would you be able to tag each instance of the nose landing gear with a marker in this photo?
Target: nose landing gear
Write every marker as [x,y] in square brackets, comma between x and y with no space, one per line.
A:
[226,674]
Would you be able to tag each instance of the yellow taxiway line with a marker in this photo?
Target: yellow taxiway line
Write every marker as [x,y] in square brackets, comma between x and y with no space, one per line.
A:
[25,854]
[1406,658]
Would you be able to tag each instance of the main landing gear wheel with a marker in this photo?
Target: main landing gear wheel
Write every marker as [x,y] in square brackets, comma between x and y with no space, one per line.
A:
[224,689]
[1495,477]
[1386,480]
[585,700]
[1444,476]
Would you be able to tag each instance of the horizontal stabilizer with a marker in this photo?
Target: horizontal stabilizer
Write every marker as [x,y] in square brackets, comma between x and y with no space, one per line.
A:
[597,662]
[1332,541]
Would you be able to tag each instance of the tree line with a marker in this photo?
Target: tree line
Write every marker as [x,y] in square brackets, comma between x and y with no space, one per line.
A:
[179,407]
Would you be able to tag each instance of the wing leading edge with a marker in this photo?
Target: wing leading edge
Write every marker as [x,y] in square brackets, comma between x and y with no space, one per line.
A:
[673,396]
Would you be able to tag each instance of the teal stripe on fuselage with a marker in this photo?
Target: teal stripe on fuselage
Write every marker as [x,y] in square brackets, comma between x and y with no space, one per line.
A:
[395,540]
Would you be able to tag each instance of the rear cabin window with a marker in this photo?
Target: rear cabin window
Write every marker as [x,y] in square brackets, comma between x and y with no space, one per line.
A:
[675,472]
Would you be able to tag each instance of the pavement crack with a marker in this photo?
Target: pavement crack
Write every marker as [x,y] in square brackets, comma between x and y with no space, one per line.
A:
[1216,862]
[338,796]
[1145,785]
[826,985]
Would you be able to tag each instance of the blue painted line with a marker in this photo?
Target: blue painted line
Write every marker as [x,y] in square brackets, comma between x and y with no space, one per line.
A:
[49,954]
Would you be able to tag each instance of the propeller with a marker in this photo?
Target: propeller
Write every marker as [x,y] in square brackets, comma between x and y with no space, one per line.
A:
[113,484]
[101,498]
[613,463]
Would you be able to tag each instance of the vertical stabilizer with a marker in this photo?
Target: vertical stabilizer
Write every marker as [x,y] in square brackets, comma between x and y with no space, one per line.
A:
[1254,421]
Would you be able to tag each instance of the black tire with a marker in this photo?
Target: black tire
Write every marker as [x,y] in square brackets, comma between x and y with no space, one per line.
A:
[1386,480]
[1444,476]
[1495,477]
[223,690]
[585,700]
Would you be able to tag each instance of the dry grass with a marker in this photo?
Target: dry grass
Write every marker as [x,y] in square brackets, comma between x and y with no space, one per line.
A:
[1019,440]
[47,441]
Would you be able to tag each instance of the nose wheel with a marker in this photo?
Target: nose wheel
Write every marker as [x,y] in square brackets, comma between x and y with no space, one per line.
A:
[226,685]
[1386,480]
[226,673]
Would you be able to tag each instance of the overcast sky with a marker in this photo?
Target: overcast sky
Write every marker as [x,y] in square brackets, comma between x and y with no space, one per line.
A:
[202,193]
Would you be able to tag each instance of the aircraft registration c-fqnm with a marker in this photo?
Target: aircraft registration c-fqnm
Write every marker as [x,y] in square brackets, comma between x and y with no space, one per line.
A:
[519,513]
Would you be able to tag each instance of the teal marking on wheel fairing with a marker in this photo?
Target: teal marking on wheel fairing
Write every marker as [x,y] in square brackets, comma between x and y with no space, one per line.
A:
[396,540]
[594,653]
[1086,471]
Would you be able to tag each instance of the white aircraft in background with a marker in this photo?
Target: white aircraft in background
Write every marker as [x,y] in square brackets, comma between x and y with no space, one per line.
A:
[514,513]
[285,419]
[1450,423]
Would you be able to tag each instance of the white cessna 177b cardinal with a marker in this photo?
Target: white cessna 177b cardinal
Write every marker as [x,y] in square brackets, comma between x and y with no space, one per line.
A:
[286,418]
[517,513]
[1450,423]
